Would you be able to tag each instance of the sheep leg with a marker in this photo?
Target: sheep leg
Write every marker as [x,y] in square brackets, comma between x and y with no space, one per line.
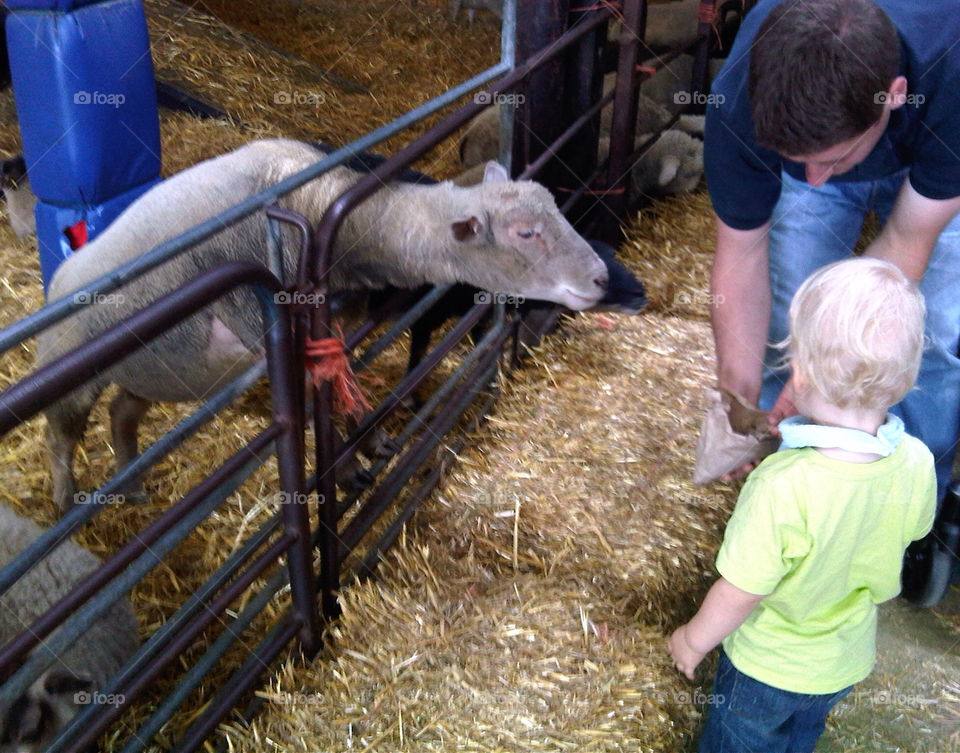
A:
[420,334]
[66,421]
[126,410]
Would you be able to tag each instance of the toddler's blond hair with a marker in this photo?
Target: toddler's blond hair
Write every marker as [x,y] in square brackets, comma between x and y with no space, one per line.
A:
[856,331]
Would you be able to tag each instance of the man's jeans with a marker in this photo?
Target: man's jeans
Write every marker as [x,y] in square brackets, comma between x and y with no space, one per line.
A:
[812,227]
[748,716]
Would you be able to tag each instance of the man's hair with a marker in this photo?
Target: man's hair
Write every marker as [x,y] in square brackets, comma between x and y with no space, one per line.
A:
[856,332]
[819,72]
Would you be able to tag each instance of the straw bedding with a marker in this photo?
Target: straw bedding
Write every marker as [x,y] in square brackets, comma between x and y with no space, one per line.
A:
[527,610]
[526,607]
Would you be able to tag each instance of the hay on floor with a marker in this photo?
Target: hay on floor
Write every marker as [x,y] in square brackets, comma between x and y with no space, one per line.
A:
[527,610]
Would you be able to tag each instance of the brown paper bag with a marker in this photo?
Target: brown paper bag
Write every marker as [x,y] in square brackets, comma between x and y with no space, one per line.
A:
[733,434]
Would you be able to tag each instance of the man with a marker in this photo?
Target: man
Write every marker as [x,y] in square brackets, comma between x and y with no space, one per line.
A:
[828,109]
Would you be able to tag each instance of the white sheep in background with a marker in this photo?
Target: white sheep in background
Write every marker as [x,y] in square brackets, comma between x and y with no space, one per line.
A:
[31,721]
[481,141]
[15,187]
[670,86]
[501,236]
[673,165]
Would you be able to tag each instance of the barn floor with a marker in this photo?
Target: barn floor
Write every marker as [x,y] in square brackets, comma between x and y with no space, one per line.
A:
[527,605]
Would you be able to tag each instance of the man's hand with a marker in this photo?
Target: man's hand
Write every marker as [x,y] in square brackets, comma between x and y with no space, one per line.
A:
[784,407]
[685,657]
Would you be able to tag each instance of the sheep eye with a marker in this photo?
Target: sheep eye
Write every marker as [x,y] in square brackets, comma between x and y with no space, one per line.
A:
[525,234]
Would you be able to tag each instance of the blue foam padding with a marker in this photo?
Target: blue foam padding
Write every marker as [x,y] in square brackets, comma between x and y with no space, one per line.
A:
[57,5]
[52,220]
[86,100]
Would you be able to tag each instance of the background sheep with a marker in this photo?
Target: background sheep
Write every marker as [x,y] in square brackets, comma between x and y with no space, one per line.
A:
[672,166]
[31,721]
[15,187]
[481,141]
[501,236]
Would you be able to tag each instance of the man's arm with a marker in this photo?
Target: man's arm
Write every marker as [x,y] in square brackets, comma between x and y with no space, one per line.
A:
[741,307]
[910,234]
[723,610]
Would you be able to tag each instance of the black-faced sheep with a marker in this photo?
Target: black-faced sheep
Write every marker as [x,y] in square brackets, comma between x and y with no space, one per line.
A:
[30,722]
[501,236]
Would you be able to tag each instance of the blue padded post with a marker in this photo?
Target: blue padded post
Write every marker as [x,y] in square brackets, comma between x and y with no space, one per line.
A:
[86,101]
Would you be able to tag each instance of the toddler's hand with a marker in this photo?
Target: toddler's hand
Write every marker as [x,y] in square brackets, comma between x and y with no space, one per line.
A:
[684,657]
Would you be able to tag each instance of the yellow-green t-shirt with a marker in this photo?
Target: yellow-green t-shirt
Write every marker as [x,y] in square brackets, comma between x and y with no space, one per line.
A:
[824,538]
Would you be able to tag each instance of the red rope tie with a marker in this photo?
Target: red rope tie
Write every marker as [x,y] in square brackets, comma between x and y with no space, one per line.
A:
[327,361]
[646,69]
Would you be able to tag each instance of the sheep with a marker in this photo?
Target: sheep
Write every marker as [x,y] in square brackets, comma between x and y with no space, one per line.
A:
[30,722]
[672,166]
[625,294]
[481,141]
[501,236]
[494,6]
[15,187]
[670,86]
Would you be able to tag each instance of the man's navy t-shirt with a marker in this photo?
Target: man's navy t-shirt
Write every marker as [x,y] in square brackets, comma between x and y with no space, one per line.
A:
[923,134]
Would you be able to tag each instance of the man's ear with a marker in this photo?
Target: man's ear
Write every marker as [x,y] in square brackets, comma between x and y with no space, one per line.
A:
[897,93]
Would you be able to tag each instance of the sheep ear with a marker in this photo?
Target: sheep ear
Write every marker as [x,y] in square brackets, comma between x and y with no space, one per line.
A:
[464,230]
[668,170]
[494,172]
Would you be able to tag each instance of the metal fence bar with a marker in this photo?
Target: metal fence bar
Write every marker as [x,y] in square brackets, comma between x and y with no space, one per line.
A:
[419,420]
[381,497]
[230,635]
[46,654]
[157,641]
[76,740]
[400,326]
[79,515]
[146,541]
[409,382]
[241,682]
[485,371]
[60,309]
